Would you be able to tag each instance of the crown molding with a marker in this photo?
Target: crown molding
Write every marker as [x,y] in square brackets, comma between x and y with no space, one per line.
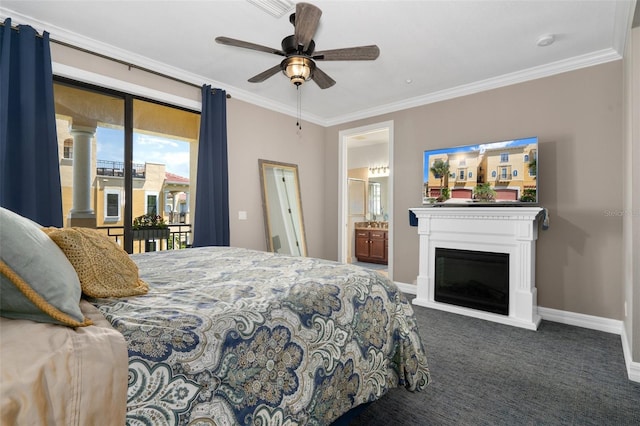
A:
[553,68]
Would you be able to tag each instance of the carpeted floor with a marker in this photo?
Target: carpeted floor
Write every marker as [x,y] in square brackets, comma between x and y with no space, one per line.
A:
[484,373]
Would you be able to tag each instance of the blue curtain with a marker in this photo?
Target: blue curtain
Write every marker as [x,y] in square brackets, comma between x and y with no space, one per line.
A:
[29,171]
[211,227]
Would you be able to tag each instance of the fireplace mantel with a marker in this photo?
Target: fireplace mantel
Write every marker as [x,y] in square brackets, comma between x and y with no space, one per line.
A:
[511,230]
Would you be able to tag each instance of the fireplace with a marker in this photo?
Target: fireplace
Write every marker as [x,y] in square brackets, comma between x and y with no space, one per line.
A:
[479,262]
[473,279]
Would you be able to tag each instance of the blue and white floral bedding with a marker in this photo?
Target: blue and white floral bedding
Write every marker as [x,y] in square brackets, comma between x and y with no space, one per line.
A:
[230,336]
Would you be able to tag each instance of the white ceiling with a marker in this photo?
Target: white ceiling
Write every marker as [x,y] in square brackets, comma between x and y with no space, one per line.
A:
[445,48]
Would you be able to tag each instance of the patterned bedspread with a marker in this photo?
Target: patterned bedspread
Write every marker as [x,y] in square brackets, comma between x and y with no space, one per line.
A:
[231,336]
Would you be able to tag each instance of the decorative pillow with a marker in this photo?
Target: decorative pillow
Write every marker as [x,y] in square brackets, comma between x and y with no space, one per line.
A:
[37,282]
[104,268]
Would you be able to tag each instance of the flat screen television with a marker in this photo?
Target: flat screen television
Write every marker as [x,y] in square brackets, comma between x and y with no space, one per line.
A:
[497,174]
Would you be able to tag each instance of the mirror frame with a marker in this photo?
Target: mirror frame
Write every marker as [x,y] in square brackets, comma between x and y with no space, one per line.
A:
[264,166]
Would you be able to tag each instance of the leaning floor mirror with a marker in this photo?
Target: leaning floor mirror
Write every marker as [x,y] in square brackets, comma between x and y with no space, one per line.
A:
[282,206]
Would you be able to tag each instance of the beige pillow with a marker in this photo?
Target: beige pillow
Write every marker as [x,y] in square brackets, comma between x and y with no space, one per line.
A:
[103,267]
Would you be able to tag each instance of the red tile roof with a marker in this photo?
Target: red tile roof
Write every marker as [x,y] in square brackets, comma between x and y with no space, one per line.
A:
[170,177]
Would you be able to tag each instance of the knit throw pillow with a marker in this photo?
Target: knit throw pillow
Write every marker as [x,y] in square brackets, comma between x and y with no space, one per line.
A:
[103,267]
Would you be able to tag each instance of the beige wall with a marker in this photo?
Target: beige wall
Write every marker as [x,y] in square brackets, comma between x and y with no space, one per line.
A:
[255,133]
[577,116]
[631,217]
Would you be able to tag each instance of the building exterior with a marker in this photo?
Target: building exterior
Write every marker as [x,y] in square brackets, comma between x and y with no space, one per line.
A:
[155,191]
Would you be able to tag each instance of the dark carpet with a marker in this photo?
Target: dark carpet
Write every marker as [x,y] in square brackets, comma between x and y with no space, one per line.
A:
[484,373]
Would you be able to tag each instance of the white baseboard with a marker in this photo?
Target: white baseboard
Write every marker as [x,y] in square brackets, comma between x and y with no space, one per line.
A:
[633,368]
[407,288]
[581,320]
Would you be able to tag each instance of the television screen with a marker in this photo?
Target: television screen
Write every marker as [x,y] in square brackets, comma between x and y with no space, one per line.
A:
[497,173]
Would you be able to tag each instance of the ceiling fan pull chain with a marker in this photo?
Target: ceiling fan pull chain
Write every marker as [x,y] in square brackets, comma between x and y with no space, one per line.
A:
[299,112]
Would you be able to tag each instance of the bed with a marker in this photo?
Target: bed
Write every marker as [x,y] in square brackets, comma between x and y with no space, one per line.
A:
[264,339]
[201,336]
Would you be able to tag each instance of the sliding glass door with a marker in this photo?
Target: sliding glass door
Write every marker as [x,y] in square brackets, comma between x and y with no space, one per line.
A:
[123,158]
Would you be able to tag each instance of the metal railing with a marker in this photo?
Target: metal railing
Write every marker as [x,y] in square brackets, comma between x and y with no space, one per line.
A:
[116,168]
[178,237]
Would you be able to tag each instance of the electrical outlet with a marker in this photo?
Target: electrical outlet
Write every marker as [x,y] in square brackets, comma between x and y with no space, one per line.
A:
[242,215]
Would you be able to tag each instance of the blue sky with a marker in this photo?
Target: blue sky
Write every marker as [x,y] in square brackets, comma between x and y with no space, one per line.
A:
[174,154]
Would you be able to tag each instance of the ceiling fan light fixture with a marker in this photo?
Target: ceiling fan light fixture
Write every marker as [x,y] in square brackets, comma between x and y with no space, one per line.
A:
[298,69]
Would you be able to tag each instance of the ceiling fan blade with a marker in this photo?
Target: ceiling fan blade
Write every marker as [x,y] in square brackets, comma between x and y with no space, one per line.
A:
[322,79]
[265,74]
[360,53]
[306,23]
[246,45]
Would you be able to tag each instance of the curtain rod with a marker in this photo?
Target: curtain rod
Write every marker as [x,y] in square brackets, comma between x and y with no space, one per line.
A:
[128,64]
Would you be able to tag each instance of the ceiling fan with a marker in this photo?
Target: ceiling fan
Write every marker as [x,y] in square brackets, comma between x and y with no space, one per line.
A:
[299,51]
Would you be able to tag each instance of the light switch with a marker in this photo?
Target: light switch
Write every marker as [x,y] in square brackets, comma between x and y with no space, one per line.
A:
[242,215]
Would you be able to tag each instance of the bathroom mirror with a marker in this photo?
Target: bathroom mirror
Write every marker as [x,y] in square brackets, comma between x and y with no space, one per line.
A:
[282,206]
[377,198]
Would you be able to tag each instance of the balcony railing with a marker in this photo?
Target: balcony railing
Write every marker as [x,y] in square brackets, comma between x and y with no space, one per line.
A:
[116,168]
[508,176]
[176,237]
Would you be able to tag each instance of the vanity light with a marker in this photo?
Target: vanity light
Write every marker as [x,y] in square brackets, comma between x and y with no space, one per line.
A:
[379,171]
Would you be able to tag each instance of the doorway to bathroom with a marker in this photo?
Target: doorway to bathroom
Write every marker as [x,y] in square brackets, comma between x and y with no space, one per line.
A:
[366,197]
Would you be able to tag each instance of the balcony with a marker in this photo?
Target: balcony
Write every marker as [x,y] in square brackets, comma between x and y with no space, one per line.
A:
[506,177]
[116,169]
[176,237]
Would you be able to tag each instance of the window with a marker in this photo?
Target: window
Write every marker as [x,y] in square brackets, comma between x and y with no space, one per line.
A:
[515,173]
[526,158]
[68,149]
[375,199]
[504,157]
[151,203]
[111,205]
[504,173]
[461,174]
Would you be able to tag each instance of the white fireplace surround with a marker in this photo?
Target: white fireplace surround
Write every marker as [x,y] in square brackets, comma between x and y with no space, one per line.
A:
[510,230]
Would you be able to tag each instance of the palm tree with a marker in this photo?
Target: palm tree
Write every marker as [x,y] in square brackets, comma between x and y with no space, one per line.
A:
[440,169]
[533,167]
